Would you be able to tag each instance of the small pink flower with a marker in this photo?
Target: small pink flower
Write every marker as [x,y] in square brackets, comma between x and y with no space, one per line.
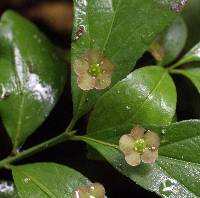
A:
[140,145]
[91,190]
[93,70]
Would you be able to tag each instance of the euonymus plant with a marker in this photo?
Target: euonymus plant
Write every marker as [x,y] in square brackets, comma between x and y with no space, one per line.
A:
[130,108]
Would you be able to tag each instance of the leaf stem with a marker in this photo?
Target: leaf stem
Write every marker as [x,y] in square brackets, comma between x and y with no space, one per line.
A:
[175,71]
[179,63]
[175,65]
[90,139]
[78,114]
[35,149]
[71,125]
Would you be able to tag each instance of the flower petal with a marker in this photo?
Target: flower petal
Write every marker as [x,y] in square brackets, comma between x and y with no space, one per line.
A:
[152,139]
[80,192]
[126,144]
[107,66]
[80,66]
[149,156]
[97,190]
[137,133]
[93,56]
[133,158]
[85,81]
[103,81]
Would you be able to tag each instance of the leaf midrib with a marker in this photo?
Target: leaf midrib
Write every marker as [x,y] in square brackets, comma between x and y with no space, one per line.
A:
[87,139]
[180,160]
[111,26]
[150,94]
[19,122]
[129,121]
[40,185]
[179,141]
[19,86]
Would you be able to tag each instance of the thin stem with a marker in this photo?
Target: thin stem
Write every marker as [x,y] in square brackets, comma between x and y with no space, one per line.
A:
[9,166]
[82,101]
[71,124]
[175,71]
[175,65]
[179,63]
[35,149]
[90,139]
[78,115]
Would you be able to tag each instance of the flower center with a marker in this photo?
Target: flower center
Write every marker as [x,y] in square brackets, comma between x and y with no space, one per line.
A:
[95,70]
[139,145]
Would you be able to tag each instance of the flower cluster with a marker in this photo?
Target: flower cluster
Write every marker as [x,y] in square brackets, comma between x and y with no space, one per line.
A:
[140,145]
[94,190]
[93,70]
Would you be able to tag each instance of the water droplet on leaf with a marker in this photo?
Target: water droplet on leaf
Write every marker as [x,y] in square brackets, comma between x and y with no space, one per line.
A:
[3,92]
[128,108]
[163,131]
[166,187]
[26,180]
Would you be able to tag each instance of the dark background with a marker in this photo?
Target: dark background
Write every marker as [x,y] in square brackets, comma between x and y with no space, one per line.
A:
[57,27]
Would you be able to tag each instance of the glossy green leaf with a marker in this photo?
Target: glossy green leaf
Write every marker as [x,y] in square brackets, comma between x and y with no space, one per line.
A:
[47,180]
[193,74]
[8,190]
[192,19]
[175,174]
[122,30]
[170,43]
[32,76]
[146,96]
[191,56]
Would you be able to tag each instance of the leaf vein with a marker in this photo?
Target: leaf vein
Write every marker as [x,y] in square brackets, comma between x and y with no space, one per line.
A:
[147,98]
[40,185]
[111,26]
[19,122]
[182,140]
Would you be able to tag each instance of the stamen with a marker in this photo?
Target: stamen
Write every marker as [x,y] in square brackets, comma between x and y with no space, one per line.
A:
[95,70]
[139,145]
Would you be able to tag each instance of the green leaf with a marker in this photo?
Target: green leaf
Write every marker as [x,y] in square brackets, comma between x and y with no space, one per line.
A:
[168,45]
[122,30]
[191,56]
[146,96]
[192,19]
[192,73]
[47,180]
[176,173]
[8,190]
[32,76]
